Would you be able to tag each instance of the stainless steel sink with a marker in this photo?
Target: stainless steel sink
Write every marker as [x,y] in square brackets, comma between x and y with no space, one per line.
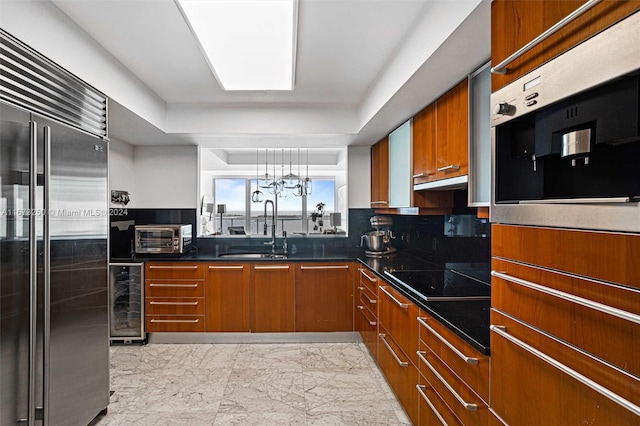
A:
[254,255]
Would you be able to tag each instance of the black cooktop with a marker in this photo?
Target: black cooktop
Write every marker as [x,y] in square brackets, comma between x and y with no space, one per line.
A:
[442,284]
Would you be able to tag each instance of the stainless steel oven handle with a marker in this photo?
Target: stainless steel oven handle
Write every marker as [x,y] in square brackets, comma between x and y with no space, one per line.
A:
[467,405]
[501,68]
[426,399]
[501,331]
[467,359]
[605,309]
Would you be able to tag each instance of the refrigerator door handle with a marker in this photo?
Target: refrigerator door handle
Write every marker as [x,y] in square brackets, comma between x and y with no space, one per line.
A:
[47,275]
[33,271]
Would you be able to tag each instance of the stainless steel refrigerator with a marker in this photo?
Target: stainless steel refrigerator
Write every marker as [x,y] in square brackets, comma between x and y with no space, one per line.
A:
[54,345]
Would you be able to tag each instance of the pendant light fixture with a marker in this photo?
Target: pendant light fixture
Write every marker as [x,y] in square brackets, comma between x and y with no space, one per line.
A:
[290,179]
[265,182]
[257,195]
[307,185]
[298,190]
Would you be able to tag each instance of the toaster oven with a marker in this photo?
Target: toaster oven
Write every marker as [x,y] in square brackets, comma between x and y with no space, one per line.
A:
[163,239]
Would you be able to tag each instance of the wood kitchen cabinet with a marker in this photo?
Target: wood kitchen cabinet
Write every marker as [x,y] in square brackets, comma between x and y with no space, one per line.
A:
[441,137]
[367,310]
[452,132]
[324,296]
[398,346]
[514,23]
[271,297]
[566,316]
[227,297]
[174,297]
[380,174]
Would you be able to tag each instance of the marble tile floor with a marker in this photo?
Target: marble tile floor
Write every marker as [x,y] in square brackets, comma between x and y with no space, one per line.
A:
[249,384]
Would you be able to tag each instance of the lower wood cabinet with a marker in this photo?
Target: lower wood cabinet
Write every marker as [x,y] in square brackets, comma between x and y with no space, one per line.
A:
[174,297]
[400,372]
[227,301]
[271,297]
[324,297]
[432,410]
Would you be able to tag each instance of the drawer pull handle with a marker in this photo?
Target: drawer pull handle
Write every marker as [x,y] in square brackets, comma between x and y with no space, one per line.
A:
[449,167]
[271,267]
[467,405]
[325,267]
[379,202]
[426,399]
[501,331]
[467,359]
[419,175]
[373,280]
[227,267]
[398,360]
[193,267]
[365,315]
[501,67]
[177,321]
[399,303]
[610,310]
[174,303]
[174,285]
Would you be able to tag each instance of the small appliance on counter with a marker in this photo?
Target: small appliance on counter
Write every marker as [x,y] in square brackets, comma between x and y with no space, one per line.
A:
[163,239]
[378,242]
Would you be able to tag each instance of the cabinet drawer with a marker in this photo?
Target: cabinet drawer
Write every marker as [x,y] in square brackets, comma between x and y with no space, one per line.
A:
[368,300]
[467,363]
[431,408]
[174,306]
[468,406]
[176,323]
[174,270]
[401,374]
[536,379]
[368,280]
[598,317]
[398,315]
[172,288]
[367,324]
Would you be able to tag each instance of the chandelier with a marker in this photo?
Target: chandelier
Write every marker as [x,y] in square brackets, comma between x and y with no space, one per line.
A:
[281,185]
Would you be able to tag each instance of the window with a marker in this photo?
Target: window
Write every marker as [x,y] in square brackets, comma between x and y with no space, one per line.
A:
[228,177]
[294,213]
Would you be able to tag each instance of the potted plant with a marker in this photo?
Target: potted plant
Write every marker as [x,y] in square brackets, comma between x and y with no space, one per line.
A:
[316,217]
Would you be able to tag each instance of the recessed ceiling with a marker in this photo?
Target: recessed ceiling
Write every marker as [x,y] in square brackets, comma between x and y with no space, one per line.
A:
[356,60]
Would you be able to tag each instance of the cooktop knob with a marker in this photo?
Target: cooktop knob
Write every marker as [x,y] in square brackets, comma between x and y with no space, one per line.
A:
[504,109]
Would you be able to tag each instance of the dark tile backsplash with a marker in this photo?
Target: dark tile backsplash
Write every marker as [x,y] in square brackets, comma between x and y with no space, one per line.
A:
[460,237]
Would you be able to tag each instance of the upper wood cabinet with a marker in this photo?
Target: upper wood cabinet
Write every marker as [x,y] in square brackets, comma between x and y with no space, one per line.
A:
[441,137]
[452,132]
[514,23]
[424,145]
[380,174]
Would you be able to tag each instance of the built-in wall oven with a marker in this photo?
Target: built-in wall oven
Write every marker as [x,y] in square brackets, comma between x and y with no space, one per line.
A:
[566,138]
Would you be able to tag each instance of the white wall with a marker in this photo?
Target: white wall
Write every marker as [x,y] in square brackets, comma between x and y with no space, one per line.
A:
[122,170]
[155,176]
[359,177]
[166,176]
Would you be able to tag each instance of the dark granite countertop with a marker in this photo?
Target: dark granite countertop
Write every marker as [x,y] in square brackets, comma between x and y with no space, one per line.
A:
[299,256]
[469,319]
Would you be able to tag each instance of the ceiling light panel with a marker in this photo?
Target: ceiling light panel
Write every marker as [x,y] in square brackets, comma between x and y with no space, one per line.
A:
[249,44]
